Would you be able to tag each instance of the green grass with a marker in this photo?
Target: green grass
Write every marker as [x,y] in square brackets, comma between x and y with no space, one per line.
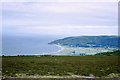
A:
[114,53]
[60,65]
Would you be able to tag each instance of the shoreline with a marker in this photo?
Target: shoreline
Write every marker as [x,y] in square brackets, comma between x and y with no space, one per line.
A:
[62,48]
[57,52]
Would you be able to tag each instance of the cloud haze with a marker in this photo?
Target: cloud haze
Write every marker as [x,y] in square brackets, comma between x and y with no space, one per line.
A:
[85,18]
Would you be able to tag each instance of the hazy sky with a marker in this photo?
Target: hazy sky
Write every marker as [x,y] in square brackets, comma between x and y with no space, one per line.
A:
[65,18]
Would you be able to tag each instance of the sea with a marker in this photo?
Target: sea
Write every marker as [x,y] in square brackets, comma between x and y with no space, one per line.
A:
[29,45]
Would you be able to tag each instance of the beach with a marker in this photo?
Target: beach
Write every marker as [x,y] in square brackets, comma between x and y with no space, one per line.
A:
[57,52]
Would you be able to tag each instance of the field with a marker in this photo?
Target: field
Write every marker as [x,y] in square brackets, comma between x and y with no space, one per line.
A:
[83,50]
[60,66]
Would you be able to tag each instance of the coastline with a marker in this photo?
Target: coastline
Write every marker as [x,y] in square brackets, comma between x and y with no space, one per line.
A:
[57,52]
[62,48]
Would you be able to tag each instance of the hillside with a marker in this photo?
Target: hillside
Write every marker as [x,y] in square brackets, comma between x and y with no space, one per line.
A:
[88,41]
[114,53]
[59,66]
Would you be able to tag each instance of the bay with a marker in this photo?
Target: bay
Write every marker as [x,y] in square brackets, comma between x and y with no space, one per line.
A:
[28,45]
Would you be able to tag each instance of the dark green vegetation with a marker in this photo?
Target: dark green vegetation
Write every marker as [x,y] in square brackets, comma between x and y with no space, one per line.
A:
[114,53]
[60,65]
[61,79]
[88,41]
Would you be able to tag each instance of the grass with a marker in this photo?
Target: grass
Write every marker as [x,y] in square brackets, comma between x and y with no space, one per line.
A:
[113,53]
[99,66]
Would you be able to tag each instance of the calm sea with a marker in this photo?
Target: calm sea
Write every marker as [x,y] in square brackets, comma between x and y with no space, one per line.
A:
[28,45]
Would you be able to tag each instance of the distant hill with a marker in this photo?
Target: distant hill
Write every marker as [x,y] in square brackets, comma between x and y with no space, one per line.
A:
[114,53]
[88,41]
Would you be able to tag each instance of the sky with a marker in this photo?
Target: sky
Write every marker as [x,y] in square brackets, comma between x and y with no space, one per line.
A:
[60,18]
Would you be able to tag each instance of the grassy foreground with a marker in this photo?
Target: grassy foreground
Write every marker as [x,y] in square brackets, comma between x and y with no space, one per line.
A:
[21,66]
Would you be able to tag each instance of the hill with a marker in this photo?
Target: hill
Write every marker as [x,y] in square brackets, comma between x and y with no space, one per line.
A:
[69,67]
[88,41]
[114,53]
